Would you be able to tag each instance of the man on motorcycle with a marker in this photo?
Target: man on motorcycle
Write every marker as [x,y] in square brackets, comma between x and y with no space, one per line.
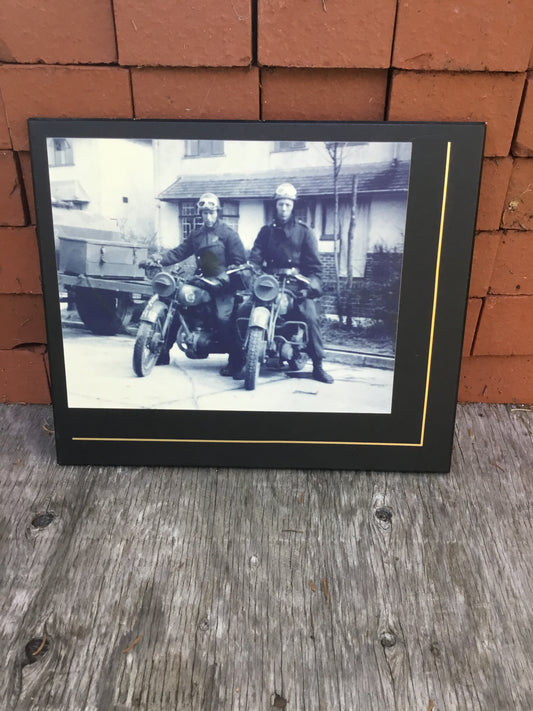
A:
[288,242]
[215,247]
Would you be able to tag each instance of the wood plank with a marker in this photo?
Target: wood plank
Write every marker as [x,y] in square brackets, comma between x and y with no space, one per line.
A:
[184,588]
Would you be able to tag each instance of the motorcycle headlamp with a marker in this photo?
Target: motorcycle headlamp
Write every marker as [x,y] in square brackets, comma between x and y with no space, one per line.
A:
[266,287]
[163,284]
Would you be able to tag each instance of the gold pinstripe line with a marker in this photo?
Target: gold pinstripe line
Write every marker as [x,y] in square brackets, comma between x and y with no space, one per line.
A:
[436,290]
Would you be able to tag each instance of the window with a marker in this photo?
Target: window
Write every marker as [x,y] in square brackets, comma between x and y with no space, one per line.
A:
[230,214]
[280,146]
[59,152]
[300,210]
[190,219]
[202,149]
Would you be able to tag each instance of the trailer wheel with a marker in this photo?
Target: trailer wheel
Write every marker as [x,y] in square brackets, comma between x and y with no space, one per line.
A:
[105,313]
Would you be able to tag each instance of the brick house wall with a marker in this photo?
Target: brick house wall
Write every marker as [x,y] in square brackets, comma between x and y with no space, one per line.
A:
[303,59]
[375,296]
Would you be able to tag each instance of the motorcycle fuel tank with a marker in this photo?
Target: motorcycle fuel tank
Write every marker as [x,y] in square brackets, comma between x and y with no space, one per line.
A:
[190,295]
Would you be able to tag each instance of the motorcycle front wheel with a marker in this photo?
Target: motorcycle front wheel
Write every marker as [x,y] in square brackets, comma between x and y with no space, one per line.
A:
[148,346]
[254,356]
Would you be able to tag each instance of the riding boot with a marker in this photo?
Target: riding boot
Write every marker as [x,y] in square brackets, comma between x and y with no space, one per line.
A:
[164,357]
[226,370]
[319,373]
[234,365]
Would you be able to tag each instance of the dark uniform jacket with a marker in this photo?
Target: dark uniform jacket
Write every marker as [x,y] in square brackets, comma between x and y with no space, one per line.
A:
[291,244]
[215,249]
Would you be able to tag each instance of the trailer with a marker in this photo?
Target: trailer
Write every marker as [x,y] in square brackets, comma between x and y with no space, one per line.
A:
[102,278]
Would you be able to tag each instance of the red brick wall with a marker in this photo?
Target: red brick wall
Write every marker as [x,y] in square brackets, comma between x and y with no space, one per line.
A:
[303,59]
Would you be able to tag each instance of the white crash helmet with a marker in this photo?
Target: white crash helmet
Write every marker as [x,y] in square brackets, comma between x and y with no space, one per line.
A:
[285,191]
[208,201]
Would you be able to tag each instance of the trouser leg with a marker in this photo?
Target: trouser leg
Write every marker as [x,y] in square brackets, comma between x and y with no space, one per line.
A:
[309,313]
[316,346]
[227,328]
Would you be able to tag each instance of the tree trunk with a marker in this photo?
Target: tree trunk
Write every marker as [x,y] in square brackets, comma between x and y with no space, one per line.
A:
[336,230]
[351,235]
[334,150]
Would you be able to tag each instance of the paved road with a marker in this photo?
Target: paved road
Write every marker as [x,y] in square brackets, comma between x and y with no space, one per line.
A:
[100,374]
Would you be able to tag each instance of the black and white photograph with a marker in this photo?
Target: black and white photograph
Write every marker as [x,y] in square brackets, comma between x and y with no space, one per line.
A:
[229,275]
[254,292]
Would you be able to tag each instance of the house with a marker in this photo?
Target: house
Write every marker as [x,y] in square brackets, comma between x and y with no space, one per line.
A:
[145,191]
[104,185]
[361,266]
[245,174]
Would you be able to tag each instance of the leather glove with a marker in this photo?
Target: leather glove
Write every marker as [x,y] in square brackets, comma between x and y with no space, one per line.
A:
[314,290]
[219,283]
[150,263]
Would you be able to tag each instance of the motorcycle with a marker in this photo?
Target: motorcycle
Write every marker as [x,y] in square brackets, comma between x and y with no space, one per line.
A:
[270,336]
[181,311]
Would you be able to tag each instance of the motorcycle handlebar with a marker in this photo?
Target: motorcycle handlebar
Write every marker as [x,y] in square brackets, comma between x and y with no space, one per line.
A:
[247,266]
[206,280]
[301,278]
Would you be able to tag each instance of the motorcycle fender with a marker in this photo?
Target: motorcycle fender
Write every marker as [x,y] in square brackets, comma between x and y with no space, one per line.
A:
[259,317]
[153,309]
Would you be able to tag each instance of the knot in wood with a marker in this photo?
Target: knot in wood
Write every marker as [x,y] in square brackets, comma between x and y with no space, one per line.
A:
[383,514]
[43,520]
[278,702]
[387,639]
[434,649]
[36,648]
[204,624]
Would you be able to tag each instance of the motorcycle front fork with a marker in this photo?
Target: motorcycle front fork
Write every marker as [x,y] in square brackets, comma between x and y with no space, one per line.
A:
[170,328]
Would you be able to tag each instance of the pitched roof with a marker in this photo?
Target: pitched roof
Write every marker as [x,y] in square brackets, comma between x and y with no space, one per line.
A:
[373,177]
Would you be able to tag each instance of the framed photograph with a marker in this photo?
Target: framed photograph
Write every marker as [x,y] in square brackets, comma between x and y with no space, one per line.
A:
[255,294]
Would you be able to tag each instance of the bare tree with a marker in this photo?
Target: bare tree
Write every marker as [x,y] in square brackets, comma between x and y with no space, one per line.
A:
[349,258]
[335,150]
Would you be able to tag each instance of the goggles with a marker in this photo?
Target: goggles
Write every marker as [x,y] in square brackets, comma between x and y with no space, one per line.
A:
[207,205]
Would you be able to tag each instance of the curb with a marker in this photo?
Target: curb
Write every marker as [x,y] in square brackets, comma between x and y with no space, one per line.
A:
[364,360]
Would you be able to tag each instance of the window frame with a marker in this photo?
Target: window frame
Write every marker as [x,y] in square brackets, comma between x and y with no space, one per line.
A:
[54,152]
[289,146]
[204,148]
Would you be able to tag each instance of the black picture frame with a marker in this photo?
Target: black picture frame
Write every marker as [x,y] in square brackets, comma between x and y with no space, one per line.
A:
[415,434]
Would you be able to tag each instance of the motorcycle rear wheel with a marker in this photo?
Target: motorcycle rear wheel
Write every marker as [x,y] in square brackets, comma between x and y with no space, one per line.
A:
[148,346]
[254,356]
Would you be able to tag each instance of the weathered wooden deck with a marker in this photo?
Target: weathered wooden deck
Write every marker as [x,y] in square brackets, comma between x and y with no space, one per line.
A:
[242,589]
